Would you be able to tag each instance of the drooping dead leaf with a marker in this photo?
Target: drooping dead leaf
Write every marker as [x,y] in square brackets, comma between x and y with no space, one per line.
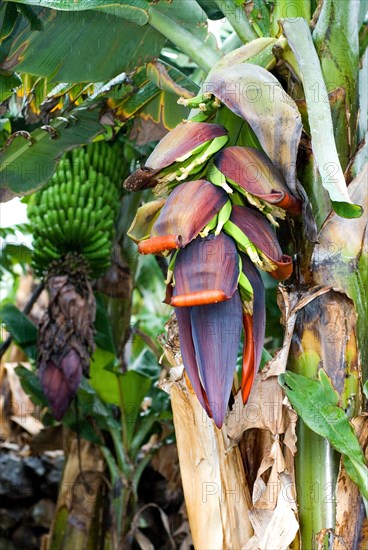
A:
[51,438]
[24,412]
[165,462]
[28,423]
[264,493]
[277,529]
[143,541]
[268,410]
[290,303]
[216,493]
[264,410]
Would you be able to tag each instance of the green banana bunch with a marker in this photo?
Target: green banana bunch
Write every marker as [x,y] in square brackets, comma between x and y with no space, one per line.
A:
[75,212]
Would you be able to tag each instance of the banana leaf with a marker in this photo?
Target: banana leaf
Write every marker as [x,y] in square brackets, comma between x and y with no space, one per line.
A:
[29,160]
[62,50]
[135,11]
[336,38]
[320,118]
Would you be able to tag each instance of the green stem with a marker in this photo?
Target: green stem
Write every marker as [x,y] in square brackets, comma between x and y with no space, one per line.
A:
[185,41]
[232,42]
[284,9]
[316,469]
[120,454]
[110,461]
[237,19]
[124,431]
[118,502]
[142,466]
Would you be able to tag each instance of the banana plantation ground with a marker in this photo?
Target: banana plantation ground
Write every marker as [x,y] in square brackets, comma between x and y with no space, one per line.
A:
[184,274]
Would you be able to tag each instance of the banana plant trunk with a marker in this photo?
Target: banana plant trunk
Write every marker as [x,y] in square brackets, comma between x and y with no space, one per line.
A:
[214,482]
[78,521]
[328,332]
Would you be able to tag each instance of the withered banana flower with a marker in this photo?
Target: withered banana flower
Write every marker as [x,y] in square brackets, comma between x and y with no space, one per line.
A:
[182,152]
[258,230]
[252,173]
[66,336]
[189,208]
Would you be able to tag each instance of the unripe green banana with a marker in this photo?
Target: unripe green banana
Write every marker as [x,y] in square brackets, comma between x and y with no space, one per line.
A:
[76,210]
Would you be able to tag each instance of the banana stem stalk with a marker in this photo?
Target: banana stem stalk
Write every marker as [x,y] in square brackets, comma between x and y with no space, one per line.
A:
[237,19]
[185,41]
[316,470]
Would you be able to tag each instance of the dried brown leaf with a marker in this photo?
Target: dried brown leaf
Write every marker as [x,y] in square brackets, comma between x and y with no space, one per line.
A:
[215,489]
[264,494]
[143,541]
[275,530]
[290,303]
[264,410]
[22,405]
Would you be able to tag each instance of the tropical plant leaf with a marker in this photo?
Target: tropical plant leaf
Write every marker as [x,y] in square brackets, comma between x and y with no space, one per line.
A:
[260,16]
[8,18]
[186,13]
[50,53]
[336,38]
[23,331]
[211,9]
[135,386]
[14,254]
[164,110]
[90,404]
[316,402]
[31,385]
[285,9]
[320,119]
[170,79]
[27,164]
[135,11]
[7,84]
[126,102]
[104,338]
[127,389]
[153,94]
[103,378]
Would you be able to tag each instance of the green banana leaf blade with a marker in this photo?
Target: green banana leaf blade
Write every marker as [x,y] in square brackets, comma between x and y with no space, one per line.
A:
[316,402]
[320,119]
[27,164]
